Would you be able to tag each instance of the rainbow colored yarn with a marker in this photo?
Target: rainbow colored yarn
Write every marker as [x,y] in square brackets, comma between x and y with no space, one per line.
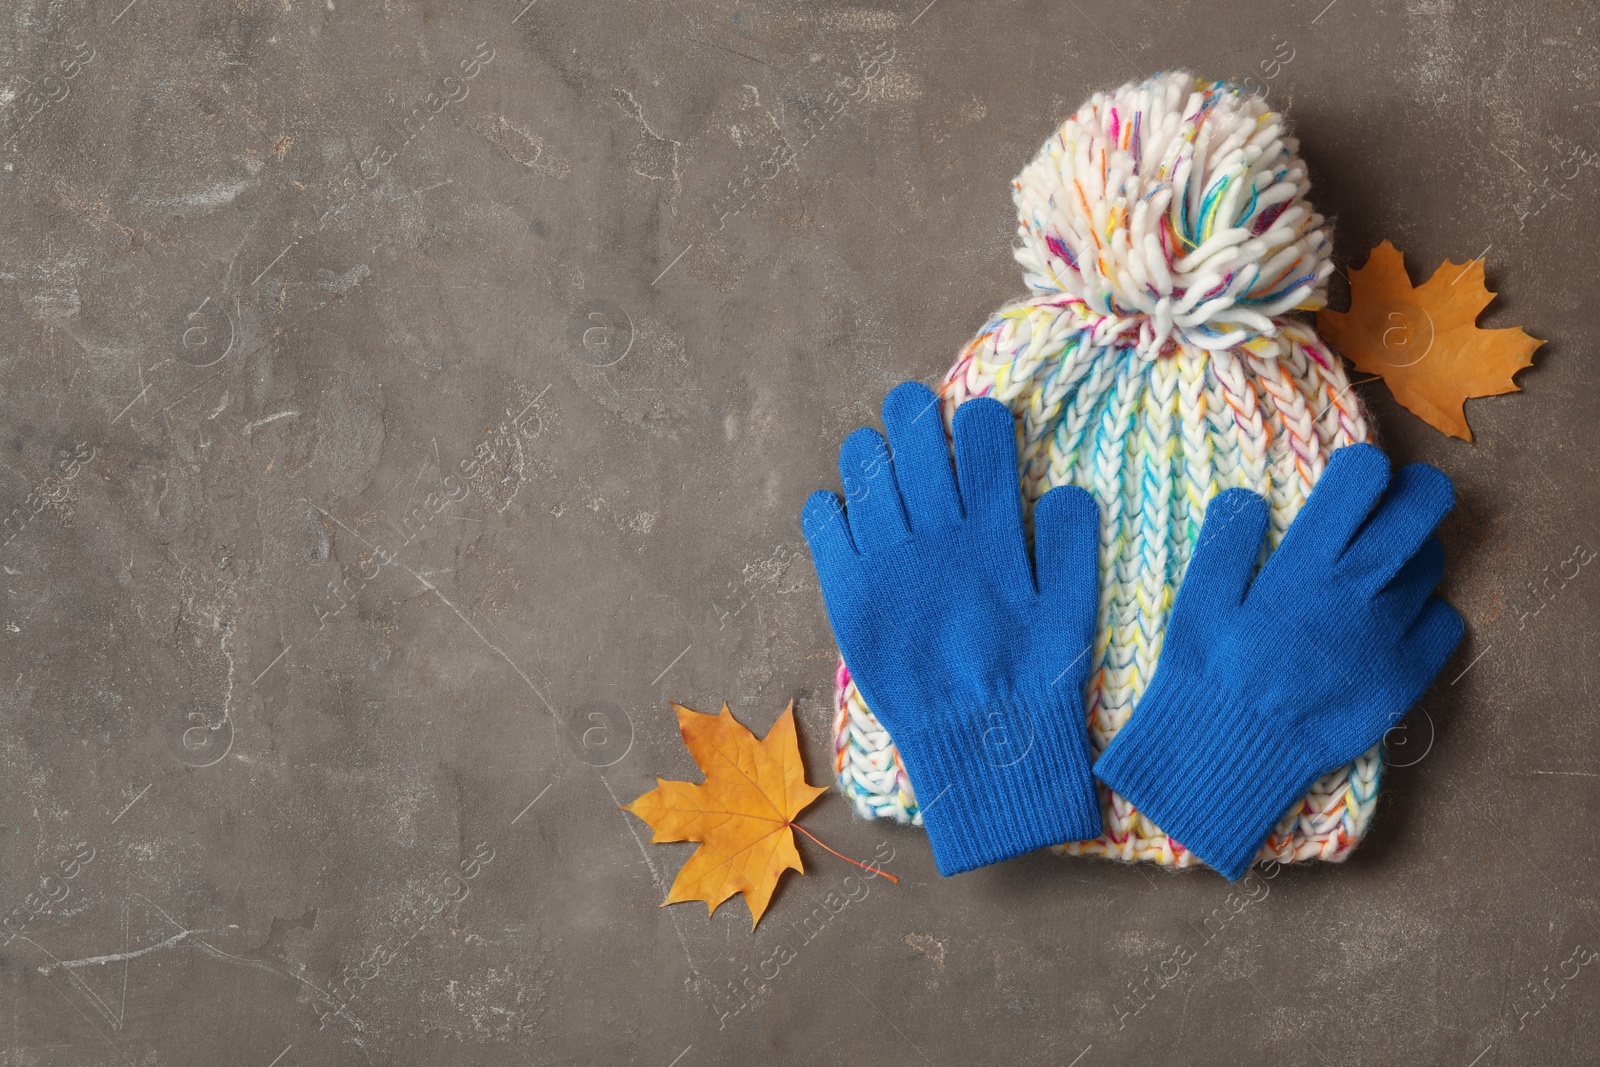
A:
[1165,241]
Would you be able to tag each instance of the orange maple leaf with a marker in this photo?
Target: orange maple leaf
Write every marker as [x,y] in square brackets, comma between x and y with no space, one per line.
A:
[1424,342]
[742,814]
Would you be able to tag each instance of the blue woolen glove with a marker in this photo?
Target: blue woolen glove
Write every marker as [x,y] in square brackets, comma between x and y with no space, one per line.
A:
[974,665]
[1264,686]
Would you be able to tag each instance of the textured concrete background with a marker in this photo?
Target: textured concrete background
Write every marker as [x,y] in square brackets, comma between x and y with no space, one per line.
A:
[274,270]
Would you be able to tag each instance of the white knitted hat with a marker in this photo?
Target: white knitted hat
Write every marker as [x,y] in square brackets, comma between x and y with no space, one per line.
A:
[1166,243]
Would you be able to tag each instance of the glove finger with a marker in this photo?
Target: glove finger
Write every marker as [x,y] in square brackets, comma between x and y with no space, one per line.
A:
[871,497]
[921,456]
[1340,502]
[1417,500]
[986,467]
[1431,640]
[826,530]
[1411,586]
[1423,652]
[1066,540]
[1225,555]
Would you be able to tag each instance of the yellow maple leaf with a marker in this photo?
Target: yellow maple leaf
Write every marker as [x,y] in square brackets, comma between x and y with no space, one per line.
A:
[1424,342]
[741,815]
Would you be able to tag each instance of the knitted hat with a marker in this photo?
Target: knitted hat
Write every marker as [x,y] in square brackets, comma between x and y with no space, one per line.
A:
[1166,243]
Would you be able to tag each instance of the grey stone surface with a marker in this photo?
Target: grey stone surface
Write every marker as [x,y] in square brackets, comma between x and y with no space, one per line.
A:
[273,271]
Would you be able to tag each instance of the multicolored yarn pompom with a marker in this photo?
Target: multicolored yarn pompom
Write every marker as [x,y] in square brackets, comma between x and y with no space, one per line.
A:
[1166,243]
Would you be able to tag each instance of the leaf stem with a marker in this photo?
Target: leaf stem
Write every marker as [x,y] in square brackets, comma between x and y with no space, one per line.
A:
[841,855]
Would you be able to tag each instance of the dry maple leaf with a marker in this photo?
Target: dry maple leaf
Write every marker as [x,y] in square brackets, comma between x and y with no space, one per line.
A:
[741,814]
[1424,342]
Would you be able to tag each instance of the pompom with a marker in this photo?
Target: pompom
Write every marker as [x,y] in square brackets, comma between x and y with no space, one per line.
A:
[1172,211]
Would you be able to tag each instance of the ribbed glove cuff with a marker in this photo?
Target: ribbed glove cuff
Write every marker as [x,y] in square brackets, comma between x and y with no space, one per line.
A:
[1009,778]
[1213,773]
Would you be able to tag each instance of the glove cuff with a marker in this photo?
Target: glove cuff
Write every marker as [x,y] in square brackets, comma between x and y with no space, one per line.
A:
[1005,779]
[1214,773]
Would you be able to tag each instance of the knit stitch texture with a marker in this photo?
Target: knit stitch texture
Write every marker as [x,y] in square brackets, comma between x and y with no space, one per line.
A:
[975,659]
[1264,685]
[1167,246]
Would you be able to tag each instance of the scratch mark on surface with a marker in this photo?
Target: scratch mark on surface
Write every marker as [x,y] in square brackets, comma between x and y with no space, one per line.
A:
[422,469]
[531,803]
[671,665]
[886,1019]
[674,263]
[430,587]
[63,596]
[695,36]
[524,411]
[274,262]
[271,665]
[118,957]
[233,260]
[497,650]
[250,426]
[122,1006]
[168,407]
[1514,163]
[655,875]
[131,803]
[322,995]
[886,218]
[308,840]
[1471,665]
[79,1010]
[1475,260]
[132,402]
